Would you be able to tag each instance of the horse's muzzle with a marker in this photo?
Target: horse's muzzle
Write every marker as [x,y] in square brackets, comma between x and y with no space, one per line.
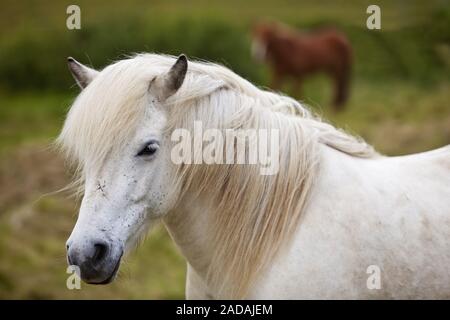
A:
[98,261]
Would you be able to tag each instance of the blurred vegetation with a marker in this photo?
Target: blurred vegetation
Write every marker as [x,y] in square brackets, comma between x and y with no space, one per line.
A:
[33,54]
[399,103]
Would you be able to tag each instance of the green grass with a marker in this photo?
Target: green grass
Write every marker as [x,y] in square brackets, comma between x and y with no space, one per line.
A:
[31,115]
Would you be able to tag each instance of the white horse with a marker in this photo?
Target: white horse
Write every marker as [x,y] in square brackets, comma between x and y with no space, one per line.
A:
[338,220]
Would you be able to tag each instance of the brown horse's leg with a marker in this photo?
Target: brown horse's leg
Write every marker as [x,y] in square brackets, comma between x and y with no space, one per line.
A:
[276,80]
[298,88]
[341,82]
[341,76]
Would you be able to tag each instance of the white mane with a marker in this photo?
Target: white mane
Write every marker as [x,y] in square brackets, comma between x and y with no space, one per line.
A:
[256,214]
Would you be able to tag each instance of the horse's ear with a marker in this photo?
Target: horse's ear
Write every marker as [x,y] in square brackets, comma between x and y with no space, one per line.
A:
[171,81]
[83,75]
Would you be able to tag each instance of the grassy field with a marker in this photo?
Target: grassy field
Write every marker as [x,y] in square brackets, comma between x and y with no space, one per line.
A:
[399,103]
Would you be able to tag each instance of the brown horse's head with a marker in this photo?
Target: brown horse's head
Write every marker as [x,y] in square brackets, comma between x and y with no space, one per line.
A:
[263,30]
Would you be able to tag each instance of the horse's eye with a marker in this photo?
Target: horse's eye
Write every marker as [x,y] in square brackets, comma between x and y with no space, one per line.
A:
[149,150]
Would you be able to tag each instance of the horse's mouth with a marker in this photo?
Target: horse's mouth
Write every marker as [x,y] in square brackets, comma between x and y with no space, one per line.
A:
[111,277]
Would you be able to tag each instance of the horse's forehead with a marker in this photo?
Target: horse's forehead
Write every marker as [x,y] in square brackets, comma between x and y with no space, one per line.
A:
[106,90]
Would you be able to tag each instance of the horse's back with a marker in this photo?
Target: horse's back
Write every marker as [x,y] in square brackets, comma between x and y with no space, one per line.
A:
[431,168]
[330,45]
[389,212]
[424,178]
[439,157]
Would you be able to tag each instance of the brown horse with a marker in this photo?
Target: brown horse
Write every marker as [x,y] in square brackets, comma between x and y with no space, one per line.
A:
[297,55]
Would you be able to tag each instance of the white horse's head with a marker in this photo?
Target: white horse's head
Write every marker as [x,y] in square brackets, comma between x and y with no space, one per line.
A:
[125,174]
[119,133]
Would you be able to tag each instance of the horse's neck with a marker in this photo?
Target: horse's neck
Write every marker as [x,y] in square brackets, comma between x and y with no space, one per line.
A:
[189,226]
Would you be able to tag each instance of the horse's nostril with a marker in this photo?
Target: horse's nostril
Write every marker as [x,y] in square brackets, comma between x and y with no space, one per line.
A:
[68,243]
[100,252]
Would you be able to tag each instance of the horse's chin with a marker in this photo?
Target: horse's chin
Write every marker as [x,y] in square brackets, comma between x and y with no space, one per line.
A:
[110,278]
